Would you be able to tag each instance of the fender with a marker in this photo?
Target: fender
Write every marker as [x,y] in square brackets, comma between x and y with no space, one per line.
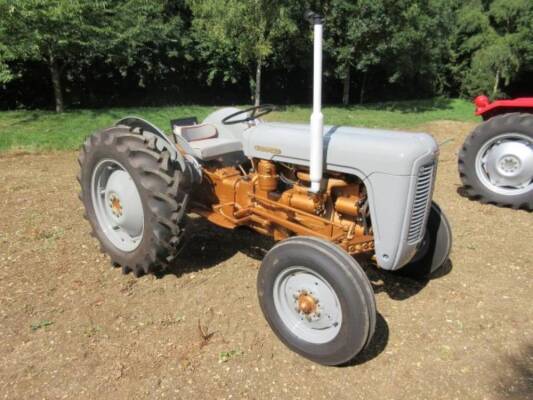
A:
[136,122]
[187,162]
[486,109]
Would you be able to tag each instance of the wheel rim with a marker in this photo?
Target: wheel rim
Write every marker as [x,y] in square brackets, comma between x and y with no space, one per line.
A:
[117,205]
[307,305]
[504,164]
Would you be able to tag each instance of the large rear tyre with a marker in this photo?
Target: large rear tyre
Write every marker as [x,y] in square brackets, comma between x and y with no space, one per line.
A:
[317,300]
[496,161]
[435,248]
[135,198]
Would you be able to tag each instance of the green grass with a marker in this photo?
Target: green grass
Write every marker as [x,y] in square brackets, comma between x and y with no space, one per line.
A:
[46,130]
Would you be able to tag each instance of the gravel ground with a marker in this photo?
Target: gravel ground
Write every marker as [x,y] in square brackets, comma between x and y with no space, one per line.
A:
[71,326]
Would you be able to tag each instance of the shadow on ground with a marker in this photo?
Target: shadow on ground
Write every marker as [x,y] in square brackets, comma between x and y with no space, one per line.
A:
[377,344]
[209,245]
[517,383]
[461,191]
[26,119]
[399,287]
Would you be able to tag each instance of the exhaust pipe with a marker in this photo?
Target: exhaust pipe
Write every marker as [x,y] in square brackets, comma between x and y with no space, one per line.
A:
[316,160]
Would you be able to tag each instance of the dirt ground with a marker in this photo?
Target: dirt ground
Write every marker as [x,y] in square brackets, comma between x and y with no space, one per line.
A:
[71,326]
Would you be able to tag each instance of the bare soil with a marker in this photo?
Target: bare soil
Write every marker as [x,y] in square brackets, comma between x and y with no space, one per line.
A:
[71,326]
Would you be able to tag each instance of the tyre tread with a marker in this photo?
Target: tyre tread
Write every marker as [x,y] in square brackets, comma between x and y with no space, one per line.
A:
[467,173]
[167,194]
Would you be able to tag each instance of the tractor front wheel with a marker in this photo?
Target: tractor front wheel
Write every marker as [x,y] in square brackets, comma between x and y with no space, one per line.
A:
[435,248]
[317,300]
[135,198]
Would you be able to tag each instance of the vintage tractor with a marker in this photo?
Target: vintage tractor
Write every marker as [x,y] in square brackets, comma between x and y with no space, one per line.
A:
[332,196]
[496,161]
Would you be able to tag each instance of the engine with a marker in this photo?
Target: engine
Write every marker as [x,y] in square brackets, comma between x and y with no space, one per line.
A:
[274,199]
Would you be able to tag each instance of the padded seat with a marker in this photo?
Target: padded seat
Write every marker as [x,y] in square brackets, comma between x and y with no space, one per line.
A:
[207,149]
[205,141]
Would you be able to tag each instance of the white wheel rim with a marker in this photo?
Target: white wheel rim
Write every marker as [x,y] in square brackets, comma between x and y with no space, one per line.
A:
[117,205]
[307,305]
[504,164]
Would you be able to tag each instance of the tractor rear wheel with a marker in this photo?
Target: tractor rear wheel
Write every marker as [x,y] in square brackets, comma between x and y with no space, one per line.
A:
[496,161]
[317,300]
[135,198]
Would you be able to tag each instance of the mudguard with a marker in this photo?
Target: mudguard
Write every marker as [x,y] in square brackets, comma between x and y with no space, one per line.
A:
[187,162]
[486,109]
[136,122]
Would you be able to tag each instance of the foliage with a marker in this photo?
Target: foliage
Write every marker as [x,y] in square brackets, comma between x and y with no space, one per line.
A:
[39,29]
[104,51]
[146,36]
[69,36]
[239,33]
[357,37]
[494,43]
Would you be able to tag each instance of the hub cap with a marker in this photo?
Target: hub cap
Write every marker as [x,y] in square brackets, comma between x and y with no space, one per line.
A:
[117,205]
[307,305]
[505,164]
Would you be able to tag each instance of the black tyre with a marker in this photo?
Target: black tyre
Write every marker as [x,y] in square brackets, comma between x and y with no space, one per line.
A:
[435,248]
[135,198]
[496,161]
[317,300]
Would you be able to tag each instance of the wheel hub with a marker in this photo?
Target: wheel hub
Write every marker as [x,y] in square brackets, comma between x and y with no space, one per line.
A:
[509,165]
[505,164]
[117,205]
[307,304]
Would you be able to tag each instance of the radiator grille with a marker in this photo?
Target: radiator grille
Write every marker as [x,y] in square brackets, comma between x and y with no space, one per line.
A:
[424,187]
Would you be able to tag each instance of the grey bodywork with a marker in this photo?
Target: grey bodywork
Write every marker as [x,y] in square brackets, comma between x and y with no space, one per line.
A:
[388,162]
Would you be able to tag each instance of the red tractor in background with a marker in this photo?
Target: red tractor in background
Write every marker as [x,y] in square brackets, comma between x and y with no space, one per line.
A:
[496,160]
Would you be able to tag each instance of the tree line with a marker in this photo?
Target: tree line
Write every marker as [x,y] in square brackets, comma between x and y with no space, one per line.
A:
[133,52]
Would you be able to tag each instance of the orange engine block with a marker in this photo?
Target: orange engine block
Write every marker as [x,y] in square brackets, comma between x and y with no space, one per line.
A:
[256,200]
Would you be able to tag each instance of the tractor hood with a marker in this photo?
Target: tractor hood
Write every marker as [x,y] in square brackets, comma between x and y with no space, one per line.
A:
[346,149]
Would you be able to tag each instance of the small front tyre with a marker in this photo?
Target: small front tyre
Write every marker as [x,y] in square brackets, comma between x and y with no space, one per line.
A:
[317,300]
[435,248]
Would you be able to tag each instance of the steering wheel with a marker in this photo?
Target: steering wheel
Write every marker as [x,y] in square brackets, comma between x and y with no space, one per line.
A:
[254,113]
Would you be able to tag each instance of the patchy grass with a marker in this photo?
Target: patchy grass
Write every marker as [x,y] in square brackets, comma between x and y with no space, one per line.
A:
[391,115]
[41,324]
[46,130]
[225,356]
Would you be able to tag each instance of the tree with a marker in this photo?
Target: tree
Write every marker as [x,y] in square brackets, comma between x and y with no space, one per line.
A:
[419,43]
[357,36]
[237,34]
[68,35]
[146,35]
[51,31]
[494,42]
[401,38]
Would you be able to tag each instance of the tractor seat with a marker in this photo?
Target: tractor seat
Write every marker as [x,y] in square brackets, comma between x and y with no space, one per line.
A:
[205,141]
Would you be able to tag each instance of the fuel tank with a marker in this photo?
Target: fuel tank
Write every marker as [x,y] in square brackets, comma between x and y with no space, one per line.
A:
[346,149]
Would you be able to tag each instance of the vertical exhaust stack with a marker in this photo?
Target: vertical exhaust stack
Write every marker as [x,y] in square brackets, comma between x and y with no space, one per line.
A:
[316,160]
